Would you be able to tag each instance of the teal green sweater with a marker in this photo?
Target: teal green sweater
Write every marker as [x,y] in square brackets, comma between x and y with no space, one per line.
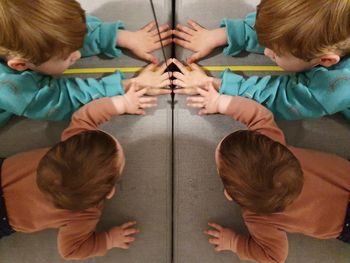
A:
[315,93]
[39,96]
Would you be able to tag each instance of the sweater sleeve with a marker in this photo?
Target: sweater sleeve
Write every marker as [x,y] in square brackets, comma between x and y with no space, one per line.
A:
[266,244]
[91,116]
[312,94]
[37,96]
[241,36]
[101,38]
[253,115]
[78,240]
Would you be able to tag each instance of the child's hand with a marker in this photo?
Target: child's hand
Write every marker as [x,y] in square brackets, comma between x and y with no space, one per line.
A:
[154,79]
[133,102]
[121,236]
[222,238]
[208,101]
[188,80]
[199,39]
[145,40]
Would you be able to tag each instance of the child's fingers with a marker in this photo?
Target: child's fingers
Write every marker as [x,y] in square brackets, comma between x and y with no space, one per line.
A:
[194,25]
[185,29]
[179,83]
[214,241]
[165,42]
[182,43]
[179,75]
[141,92]
[194,66]
[165,83]
[130,231]
[203,112]
[182,35]
[162,91]
[128,224]
[129,239]
[213,233]
[124,246]
[202,92]
[181,66]
[140,112]
[218,248]
[216,226]
[162,29]
[196,99]
[164,35]
[149,57]
[149,26]
[165,76]
[148,100]
[184,91]
[196,56]
[195,105]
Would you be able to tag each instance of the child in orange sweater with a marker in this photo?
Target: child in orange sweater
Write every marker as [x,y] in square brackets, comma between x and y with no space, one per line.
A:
[67,184]
[281,189]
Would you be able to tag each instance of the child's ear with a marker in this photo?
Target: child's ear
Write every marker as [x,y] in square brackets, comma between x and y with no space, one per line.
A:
[18,64]
[227,195]
[111,193]
[329,60]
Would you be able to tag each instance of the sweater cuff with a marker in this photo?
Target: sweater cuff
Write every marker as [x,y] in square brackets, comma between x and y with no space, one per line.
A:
[109,34]
[230,83]
[235,39]
[113,84]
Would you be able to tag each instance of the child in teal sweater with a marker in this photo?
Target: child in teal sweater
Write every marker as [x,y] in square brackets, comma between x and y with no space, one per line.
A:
[42,38]
[309,37]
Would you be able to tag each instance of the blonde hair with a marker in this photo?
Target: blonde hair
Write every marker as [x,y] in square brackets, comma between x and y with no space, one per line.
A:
[38,30]
[304,28]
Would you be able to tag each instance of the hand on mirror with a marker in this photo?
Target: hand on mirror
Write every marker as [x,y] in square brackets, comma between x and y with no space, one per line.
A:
[144,41]
[199,39]
[155,79]
[207,101]
[134,101]
[122,236]
[222,238]
[189,78]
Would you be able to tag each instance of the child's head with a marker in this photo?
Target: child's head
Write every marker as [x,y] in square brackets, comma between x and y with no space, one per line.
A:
[80,172]
[41,35]
[261,175]
[300,34]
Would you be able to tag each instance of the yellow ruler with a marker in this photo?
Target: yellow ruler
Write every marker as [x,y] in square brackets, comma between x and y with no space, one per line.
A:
[136,69]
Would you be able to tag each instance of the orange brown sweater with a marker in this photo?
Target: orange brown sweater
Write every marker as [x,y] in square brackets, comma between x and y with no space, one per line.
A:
[320,209]
[29,211]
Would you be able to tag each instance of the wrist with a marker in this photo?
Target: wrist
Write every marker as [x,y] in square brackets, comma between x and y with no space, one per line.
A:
[220,37]
[123,39]
[119,103]
[223,103]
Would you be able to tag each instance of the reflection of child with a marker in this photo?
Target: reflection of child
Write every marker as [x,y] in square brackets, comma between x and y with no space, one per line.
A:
[64,187]
[281,189]
[311,37]
[41,38]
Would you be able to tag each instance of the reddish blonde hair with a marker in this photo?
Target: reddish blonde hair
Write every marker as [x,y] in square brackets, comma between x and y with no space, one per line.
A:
[79,172]
[260,174]
[306,29]
[37,30]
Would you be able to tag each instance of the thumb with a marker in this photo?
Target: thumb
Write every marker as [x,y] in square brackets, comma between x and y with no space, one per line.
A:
[150,58]
[194,57]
